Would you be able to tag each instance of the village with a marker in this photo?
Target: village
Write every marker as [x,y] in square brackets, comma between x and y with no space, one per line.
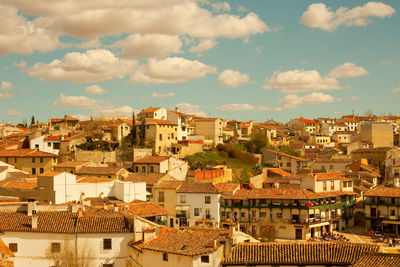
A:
[168,188]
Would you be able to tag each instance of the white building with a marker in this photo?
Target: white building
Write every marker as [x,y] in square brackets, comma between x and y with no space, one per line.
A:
[62,187]
[198,203]
[50,144]
[162,164]
[181,119]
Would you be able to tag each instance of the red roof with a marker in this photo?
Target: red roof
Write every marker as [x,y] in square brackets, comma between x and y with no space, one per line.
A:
[56,137]
[143,209]
[307,121]
[152,159]
[25,153]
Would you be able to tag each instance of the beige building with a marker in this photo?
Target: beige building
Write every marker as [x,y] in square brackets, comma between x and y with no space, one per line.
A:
[380,134]
[164,194]
[161,134]
[29,160]
[284,161]
[210,128]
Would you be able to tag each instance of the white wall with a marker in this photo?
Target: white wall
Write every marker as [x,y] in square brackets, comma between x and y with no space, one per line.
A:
[43,145]
[34,248]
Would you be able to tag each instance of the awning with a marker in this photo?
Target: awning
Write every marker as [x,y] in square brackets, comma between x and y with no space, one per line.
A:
[182,207]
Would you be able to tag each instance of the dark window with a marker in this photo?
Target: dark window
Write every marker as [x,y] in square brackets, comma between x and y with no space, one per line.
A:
[207,199]
[205,258]
[33,171]
[137,169]
[165,256]
[55,247]
[160,196]
[108,264]
[33,160]
[144,169]
[151,169]
[41,160]
[13,247]
[107,243]
[196,212]
[160,137]
[41,170]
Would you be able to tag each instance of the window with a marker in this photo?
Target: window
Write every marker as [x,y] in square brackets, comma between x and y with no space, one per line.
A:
[165,256]
[243,214]
[183,198]
[6,160]
[332,185]
[160,196]
[207,199]
[279,215]
[108,264]
[172,135]
[151,168]
[107,243]
[208,215]
[13,247]
[143,168]
[41,170]
[263,214]
[33,171]
[324,186]
[392,212]
[33,160]
[36,146]
[48,144]
[196,212]
[137,169]
[331,167]
[55,247]
[205,259]
[160,137]
[288,164]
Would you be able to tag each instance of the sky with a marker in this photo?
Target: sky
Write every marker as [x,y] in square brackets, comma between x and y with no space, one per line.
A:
[245,60]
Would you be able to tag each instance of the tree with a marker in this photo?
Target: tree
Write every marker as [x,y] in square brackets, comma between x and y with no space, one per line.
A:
[257,142]
[33,120]
[133,130]
[142,133]
[268,231]
[69,254]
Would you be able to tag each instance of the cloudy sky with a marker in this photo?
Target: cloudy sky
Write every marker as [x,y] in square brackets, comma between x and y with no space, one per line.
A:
[236,59]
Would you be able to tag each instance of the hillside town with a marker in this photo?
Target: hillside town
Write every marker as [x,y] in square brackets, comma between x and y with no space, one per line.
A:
[166,188]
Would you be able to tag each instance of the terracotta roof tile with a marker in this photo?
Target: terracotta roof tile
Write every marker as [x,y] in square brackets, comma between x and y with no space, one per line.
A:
[169,184]
[143,209]
[56,138]
[150,110]
[50,174]
[383,191]
[93,180]
[98,171]
[149,179]
[373,259]
[20,185]
[152,159]
[291,253]
[71,164]
[25,153]
[192,187]
[4,249]
[227,188]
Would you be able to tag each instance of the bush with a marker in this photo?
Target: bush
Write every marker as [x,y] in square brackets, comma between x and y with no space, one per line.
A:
[220,147]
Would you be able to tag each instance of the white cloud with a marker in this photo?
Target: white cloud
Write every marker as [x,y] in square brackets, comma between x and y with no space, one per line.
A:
[385,62]
[241,8]
[171,70]
[21,36]
[232,78]
[203,45]
[221,7]
[348,70]
[95,90]
[293,101]
[96,106]
[92,43]
[189,108]
[397,90]
[81,117]
[318,15]
[21,64]
[157,95]
[91,19]
[230,107]
[89,67]
[13,112]
[355,98]
[149,45]
[6,87]
[296,81]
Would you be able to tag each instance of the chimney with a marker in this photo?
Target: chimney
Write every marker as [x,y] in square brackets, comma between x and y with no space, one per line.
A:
[31,207]
[34,220]
[176,108]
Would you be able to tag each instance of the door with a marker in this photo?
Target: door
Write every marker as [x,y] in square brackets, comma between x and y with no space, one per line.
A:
[312,232]
[171,223]
[373,212]
[299,233]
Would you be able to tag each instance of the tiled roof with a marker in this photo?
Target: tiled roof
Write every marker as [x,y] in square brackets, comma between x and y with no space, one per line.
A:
[65,222]
[50,174]
[70,118]
[21,175]
[383,191]
[143,209]
[376,149]
[149,110]
[291,253]
[227,188]
[149,179]
[71,164]
[285,155]
[277,171]
[98,170]
[188,242]
[152,159]
[204,119]
[192,187]
[331,176]
[307,121]
[56,137]
[178,113]
[162,122]
[93,180]
[329,160]
[169,184]
[20,185]
[25,153]
[373,259]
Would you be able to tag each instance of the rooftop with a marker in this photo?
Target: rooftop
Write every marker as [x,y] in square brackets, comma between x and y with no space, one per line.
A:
[152,159]
[192,187]
[383,191]
[20,153]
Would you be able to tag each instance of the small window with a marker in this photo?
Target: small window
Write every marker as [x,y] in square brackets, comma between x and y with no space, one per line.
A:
[55,247]
[207,199]
[13,247]
[151,169]
[165,256]
[205,258]
[332,185]
[160,196]
[392,212]
[108,265]
[137,169]
[107,243]
[160,137]
[36,146]
[33,171]
[144,169]
[183,199]
[41,170]
[279,215]
[243,214]
[48,144]
[196,212]
[33,160]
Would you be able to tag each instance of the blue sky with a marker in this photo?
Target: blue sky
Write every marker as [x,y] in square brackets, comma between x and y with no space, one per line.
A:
[236,59]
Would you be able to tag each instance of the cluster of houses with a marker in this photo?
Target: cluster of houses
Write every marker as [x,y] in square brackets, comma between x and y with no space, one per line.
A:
[117,192]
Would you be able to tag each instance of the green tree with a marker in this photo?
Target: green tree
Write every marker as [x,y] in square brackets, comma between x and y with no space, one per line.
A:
[257,143]
[33,120]
[142,134]
[133,130]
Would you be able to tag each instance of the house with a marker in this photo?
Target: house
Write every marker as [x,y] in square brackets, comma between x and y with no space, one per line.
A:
[198,203]
[159,113]
[210,128]
[329,164]
[303,126]
[50,144]
[380,134]
[62,187]
[6,255]
[259,180]
[299,254]
[381,208]
[162,164]
[42,235]
[70,166]
[151,179]
[29,160]
[190,146]
[161,135]
[376,156]
[284,161]
[352,124]
[189,247]
[102,172]
[344,137]
[181,120]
